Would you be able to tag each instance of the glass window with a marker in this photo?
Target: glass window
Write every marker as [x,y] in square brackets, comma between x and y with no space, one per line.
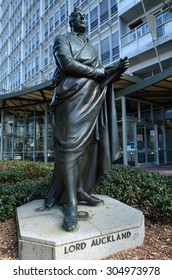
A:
[33,67]
[25,72]
[29,142]
[160,31]
[29,70]
[37,63]
[46,4]
[50,53]
[50,142]
[105,50]
[104,11]
[45,57]
[86,31]
[46,30]
[39,131]
[168,114]
[143,29]
[94,18]
[118,104]
[131,108]
[30,23]
[26,46]
[164,17]
[141,144]
[96,47]
[30,46]
[76,4]
[8,136]
[33,18]
[26,7]
[33,42]
[56,18]
[115,46]
[114,7]
[62,13]
[51,24]
[18,135]
[37,14]
[67,12]
[120,136]
[37,38]
[27,27]
[145,111]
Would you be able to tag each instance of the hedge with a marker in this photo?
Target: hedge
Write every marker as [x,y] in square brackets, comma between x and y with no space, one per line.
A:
[24,181]
[148,191]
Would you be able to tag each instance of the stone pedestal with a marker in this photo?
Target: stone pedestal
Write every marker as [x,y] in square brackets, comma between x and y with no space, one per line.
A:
[110,228]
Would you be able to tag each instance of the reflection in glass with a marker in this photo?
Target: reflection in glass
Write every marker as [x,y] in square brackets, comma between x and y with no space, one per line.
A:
[141,158]
[140,137]
[145,111]
[29,135]
[118,104]
[131,108]
[151,156]
[131,158]
[40,129]
[161,144]
[151,138]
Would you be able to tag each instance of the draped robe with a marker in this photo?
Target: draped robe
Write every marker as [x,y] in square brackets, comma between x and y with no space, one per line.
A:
[83,117]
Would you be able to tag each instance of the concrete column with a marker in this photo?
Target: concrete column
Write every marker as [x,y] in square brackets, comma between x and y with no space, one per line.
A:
[46,134]
[156,144]
[124,131]
[2,134]
[164,136]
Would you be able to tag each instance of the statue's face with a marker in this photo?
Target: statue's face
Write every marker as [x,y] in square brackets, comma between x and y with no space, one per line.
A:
[79,22]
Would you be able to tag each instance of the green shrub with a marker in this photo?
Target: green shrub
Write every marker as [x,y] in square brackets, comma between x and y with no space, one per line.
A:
[148,191]
[17,171]
[20,193]
[7,202]
[21,182]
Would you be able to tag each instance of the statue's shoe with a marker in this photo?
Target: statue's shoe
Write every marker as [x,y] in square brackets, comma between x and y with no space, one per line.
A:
[70,222]
[90,199]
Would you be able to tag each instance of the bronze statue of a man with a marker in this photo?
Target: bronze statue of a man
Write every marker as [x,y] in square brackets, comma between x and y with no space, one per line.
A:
[83,120]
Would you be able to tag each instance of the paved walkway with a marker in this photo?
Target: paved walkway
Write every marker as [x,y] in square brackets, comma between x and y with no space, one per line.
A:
[163,169]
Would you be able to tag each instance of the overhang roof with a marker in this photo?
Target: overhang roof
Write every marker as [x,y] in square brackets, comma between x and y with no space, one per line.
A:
[157,89]
[36,95]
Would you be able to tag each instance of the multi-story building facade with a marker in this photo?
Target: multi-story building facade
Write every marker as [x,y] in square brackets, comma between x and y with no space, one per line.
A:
[139,29]
[28,29]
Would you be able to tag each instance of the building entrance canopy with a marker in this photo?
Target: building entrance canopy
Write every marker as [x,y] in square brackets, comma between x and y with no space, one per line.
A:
[37,95]
[26,130]
[157,89]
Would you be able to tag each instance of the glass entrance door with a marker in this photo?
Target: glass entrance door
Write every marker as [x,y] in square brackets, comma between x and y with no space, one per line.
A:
[141,144]
[147,144]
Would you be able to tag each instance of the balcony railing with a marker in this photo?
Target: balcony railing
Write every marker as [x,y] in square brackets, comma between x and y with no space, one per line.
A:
[163,26]
[135,33]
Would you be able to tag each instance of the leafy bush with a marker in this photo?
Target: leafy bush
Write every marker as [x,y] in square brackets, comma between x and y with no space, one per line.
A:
[21,182]
[17,171]
[148,191]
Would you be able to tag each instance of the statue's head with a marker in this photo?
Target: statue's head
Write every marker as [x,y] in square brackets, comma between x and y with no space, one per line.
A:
[77,20]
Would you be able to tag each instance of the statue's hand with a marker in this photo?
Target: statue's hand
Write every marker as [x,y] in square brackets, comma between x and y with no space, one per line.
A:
[99,73]
[122,64]
[114,72]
